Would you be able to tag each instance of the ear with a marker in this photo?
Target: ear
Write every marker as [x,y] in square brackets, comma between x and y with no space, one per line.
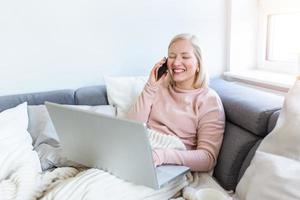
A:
[298,77]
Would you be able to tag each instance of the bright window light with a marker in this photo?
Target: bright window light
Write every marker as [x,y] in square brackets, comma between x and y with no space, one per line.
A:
[283,37]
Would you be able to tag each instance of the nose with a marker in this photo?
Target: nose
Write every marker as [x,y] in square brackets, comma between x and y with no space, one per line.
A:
[177,60]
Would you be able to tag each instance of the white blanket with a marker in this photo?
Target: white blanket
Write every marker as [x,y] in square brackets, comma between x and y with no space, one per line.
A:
[78,183]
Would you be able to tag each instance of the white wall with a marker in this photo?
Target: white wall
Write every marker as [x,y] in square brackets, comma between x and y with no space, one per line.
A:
[243,34]
[58,44]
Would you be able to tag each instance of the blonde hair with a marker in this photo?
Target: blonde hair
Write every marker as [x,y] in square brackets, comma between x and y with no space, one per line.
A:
[201,79]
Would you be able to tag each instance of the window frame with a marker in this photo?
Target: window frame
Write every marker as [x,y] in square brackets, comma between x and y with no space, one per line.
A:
[267,8]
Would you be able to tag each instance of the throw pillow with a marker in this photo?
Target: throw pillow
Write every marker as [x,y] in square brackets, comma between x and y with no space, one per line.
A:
[19,164]
[274,169]
[122,92]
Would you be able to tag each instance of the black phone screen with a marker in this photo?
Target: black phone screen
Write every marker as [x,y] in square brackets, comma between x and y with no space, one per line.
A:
[163,69]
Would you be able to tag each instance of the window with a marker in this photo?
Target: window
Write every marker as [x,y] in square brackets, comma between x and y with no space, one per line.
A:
[264,42]
[279,35]
[283,37]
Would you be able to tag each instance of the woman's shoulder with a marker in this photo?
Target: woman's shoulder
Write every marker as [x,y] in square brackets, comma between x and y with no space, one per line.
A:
[208,92]
[209,96]
[210,102]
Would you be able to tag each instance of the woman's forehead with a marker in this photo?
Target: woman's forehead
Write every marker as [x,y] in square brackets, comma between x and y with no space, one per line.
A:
[181,46]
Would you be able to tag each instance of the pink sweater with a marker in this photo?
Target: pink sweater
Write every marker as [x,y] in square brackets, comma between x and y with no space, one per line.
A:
[195,116]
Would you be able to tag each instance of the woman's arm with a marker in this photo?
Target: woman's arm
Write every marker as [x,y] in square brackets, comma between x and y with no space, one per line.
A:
[210,136]
[197,160]
[141,109]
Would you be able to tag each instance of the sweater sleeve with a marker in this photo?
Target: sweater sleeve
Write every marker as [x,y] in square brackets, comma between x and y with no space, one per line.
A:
[141,109]
[209,140]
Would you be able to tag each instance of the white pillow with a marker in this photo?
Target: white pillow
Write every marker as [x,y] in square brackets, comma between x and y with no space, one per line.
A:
[275,168]
[45,139]
[122,92]
[19,164]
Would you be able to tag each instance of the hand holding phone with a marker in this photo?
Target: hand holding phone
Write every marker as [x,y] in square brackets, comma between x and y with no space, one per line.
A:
[162,70]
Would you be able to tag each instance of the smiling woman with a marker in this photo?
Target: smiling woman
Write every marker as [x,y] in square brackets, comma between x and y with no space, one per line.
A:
[181,104]
[184,49]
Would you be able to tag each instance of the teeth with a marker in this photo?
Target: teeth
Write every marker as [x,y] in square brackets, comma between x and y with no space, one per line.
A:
[178,70]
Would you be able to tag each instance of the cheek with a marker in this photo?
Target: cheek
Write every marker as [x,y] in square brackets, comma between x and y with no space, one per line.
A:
[192,66]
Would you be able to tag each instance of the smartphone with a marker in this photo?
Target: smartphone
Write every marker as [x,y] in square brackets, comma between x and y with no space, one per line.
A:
[163,69]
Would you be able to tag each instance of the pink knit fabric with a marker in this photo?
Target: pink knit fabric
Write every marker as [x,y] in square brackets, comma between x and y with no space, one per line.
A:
[195,116]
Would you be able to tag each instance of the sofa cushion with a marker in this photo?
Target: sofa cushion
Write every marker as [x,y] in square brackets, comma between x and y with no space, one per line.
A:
[123,91]
[92,95]
[247,107]
[237,143]
[248,159]
[59,96]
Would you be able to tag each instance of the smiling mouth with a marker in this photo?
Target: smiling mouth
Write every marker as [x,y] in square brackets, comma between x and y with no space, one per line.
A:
[177,71]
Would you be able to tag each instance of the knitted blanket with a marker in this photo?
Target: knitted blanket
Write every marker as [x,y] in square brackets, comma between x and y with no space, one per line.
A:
[82,183]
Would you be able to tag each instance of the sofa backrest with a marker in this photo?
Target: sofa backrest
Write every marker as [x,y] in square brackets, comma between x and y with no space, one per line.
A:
[92,95]
[250,115]
[59,96]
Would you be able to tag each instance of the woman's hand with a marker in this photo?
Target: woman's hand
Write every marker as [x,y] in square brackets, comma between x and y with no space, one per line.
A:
[153,73]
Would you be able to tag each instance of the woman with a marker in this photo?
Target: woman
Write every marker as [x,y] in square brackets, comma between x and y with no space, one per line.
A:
[180,103]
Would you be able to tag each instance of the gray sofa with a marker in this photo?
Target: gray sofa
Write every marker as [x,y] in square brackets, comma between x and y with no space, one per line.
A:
[250,115]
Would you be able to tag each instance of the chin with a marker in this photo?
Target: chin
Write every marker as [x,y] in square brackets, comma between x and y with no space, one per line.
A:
[178,79]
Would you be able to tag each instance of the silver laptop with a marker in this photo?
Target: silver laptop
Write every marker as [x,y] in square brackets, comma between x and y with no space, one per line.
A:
[118,146]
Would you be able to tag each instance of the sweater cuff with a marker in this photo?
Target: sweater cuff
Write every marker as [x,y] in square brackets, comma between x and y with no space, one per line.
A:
[168,156]
[158,157]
